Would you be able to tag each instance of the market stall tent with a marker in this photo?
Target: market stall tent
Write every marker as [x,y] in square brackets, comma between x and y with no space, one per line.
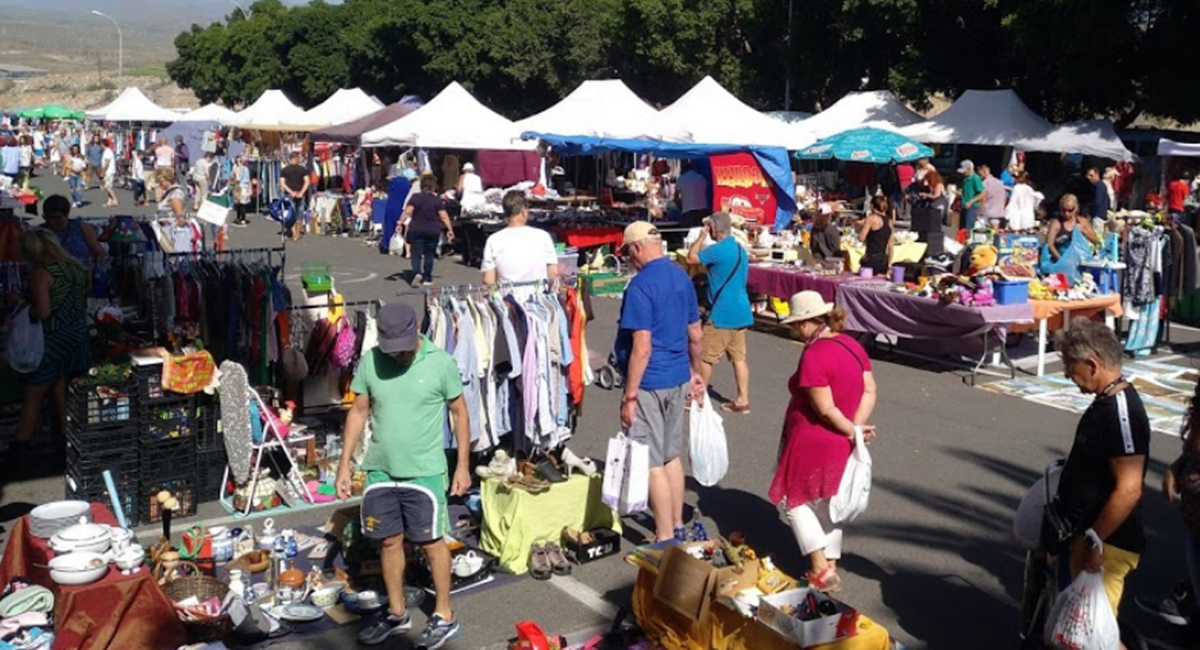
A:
[604,110]
[1168,147]
[873,108]
[208,113]
[866,145]
[452,120]
[995,118]
[132,106]
[345,105]
[352,132]
[271,111]
[51,112]
[712,115]
[1088,137]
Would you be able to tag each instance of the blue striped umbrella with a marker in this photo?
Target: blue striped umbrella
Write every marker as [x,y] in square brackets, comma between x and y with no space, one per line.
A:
[867,145]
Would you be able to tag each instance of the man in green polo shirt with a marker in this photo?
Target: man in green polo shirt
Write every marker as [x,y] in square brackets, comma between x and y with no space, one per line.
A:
[972,194]
[405,386]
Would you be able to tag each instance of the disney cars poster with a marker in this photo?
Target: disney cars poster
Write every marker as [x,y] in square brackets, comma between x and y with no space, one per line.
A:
[741,188]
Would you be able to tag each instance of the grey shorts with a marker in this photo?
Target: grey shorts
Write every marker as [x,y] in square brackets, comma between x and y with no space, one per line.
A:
[660,422]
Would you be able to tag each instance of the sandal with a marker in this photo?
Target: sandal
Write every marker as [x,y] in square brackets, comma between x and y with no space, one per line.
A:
[530,485]
[730,407]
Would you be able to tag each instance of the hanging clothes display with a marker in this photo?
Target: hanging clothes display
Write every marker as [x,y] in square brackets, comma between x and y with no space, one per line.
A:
[521,358]
[1149,260]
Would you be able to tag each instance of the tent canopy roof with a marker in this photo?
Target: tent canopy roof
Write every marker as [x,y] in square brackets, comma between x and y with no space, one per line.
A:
[1172,148]
[352,132]
[983,117]
[713,115]
[208,113]
[605,109]
[1088,137]
[343,106]
[872,108]
[452,120]
[132,106]
[272,110]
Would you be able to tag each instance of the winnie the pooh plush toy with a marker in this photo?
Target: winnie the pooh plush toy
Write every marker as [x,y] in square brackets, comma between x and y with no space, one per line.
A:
[983,259]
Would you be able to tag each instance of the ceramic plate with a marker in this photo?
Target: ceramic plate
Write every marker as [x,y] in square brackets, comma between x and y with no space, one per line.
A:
[301,613]
[61,510]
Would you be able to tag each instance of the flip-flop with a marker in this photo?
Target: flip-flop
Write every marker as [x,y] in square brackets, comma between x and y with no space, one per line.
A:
[744,409]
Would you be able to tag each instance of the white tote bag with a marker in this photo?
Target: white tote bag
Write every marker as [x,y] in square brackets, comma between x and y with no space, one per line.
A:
[707,447]
[26,341]
[855,488]
[213,213]
[626,485]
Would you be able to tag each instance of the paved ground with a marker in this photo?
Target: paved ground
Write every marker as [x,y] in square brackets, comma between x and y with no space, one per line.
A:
[933,559]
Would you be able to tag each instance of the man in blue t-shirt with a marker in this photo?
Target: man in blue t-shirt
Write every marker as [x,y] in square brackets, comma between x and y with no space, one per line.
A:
[658,350]
[729,312]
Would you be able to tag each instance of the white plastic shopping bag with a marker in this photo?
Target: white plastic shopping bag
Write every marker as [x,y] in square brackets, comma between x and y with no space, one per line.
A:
[1027,523]
[26,342]
[855,488]
[707,447]
[396,244]
[1082,618]
[626,475]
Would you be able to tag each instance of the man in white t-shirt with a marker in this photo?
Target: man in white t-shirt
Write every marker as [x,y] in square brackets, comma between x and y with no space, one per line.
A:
[691,190]
[108,174]
[519,253]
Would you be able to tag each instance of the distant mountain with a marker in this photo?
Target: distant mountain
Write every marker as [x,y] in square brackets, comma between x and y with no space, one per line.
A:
[152,16]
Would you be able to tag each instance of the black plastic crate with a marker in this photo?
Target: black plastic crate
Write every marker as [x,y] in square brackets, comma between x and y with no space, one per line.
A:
[168,458]
[210,472]
[149,383]
[210,433]
[124,464]
[168,419]
[127,490]
[103,440]
[97,407]
[183,489]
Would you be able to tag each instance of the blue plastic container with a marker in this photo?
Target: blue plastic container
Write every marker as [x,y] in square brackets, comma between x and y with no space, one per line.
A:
[1010,292]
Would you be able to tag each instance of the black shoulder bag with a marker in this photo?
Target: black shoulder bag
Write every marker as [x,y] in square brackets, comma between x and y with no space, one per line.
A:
[707,307]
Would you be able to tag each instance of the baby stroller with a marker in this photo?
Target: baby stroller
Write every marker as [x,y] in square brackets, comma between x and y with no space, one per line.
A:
[607,376]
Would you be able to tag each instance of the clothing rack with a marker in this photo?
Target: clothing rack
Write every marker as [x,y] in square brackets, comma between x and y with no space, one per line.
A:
[376,303]
[463,289]
[281,251]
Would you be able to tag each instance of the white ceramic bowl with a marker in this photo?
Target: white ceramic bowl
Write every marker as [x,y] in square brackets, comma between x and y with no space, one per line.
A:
[131,559]
[78,568]
[327,596]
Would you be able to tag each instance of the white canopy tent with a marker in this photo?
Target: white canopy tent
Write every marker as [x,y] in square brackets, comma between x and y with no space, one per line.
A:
[983,117]
[208,113]
[607,110]
[873,108]
[132,106]
[271,111]
[714,116]
[1088,137]
[345,105]
[452,120]
[1172,148]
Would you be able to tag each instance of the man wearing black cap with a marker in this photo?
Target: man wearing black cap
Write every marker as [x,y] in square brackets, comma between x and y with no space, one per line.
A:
[405,386]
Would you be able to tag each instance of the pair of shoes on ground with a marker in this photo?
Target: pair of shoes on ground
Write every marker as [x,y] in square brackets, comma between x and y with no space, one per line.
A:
[437,630]
[546,560]
[1175,608]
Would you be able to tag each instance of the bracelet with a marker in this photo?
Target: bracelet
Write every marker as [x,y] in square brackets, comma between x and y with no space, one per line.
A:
[629,400]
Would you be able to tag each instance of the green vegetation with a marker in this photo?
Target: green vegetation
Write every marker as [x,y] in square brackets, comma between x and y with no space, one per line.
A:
[147,71]
[1069,59]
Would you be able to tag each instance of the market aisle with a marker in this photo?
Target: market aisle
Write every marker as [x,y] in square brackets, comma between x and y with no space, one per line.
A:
[933,559]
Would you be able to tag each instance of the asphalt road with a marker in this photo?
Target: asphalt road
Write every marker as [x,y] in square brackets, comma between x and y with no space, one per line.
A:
[933,559]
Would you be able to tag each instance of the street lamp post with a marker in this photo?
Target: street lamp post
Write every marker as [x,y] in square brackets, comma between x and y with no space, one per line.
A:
[120,45]
[245,14]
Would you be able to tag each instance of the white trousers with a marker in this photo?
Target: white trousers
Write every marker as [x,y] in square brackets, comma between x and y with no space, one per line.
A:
[809,522]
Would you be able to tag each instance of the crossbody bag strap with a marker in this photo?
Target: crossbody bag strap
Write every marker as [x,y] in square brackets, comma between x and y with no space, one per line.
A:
[837,340]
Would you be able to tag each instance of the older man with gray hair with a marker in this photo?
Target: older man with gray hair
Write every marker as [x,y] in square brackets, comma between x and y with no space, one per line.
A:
[1101,484]
[728,315]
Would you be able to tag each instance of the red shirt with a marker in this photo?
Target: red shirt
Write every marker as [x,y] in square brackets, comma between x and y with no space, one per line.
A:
[1177,191]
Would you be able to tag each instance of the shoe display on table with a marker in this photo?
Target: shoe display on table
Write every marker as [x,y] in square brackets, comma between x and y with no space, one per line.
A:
[585,466]
[558,559]
[540,565]
[548,471]
[384,628]
[501,465]
[437,632]
[531,485]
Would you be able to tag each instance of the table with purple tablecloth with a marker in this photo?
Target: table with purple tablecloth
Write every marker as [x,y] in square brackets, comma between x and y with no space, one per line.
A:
[784,282]
[872,308]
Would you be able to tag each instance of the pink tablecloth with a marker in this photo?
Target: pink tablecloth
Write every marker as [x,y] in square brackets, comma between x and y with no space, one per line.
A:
[783,283]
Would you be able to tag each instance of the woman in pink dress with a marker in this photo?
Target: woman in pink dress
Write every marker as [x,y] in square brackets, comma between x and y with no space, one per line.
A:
[833,395]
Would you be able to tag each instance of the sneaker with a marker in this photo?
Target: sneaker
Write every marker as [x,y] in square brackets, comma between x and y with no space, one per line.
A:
[384,628]
[1169,609]
[418,281]
[681,534]
[437,632]
[502,465]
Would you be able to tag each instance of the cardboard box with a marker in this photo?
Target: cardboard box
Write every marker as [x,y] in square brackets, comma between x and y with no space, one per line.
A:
[337,522]
[689,586]
[826,629]
[605,543]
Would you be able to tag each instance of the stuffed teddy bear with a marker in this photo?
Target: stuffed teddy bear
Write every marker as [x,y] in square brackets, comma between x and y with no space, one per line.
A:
[983,259]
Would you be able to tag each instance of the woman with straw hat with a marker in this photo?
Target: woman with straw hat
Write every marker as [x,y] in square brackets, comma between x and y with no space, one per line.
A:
[832,397]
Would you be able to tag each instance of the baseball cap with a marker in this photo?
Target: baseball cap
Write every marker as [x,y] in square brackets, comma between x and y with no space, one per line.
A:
[637,231]
[397,328]
[965,166]
[469,167]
